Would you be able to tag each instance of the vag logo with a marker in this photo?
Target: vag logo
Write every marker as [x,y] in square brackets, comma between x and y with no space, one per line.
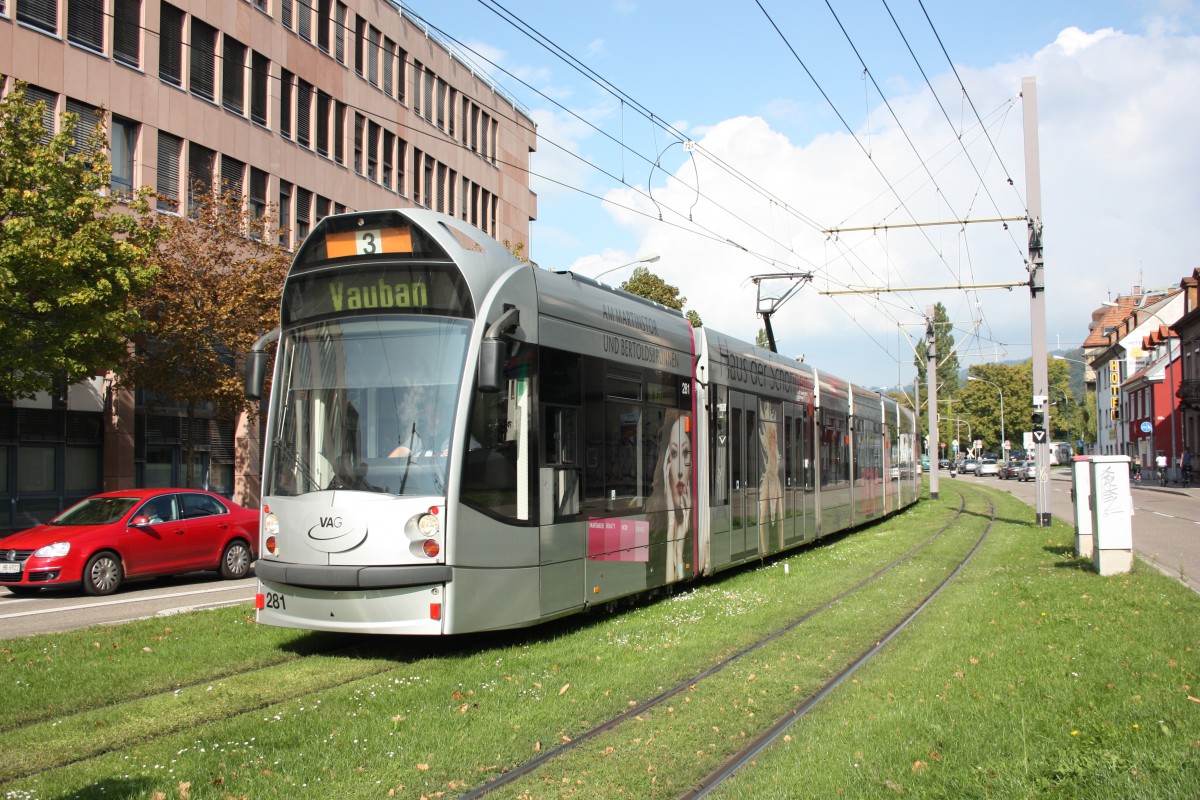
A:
[335,534]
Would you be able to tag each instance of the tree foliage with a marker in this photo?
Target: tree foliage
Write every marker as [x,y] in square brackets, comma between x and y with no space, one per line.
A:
[71,263]
[645,283]
[218,290]
[947,369]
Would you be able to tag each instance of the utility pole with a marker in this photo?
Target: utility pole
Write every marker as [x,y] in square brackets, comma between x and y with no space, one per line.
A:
[931,394]
[1040,415]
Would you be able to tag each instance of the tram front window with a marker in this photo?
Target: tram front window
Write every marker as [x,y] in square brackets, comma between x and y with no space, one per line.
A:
[367,404]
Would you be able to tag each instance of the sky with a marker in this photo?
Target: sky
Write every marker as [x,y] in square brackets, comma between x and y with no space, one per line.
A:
[781,153]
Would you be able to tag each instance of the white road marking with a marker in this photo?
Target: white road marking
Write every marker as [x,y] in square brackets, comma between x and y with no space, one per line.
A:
[122,601]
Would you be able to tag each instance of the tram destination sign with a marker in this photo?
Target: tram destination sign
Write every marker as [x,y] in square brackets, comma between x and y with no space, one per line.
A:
[407,289]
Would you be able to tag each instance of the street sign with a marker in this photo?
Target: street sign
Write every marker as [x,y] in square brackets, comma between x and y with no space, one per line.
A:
[1147,427]
[1039,437]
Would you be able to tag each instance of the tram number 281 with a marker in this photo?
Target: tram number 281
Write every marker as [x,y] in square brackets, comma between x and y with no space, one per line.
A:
[272,600]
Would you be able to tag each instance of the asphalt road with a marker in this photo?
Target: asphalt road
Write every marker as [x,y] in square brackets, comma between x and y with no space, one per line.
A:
[54,610]
[1166,521]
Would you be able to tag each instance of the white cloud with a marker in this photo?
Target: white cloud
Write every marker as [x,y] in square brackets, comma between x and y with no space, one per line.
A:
[1117,125]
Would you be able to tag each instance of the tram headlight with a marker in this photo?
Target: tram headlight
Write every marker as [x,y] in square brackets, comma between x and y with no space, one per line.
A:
[429,525]
[270,531]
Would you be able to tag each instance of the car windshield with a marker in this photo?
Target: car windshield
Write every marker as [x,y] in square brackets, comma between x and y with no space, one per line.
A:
[367,404]
[96,511]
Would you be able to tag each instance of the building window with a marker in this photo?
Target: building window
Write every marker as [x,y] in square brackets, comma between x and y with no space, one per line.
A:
[286,13]
[418,76]
[373,56]
[440,189]
[427,183]
[401,74]
[257,197]
[127,32]
[85,24]
[322,207]
[202,74]
[170,38]
[441,104]
[373,151]
[418,158]
[339,132]
[303,209]
[201,161]
[123,146]
[324,102]
[389,146]
[285,212]
[233,75]
[261,5]
[323,22]
[360,43]
[339,34]
[169,149]
[260,72]
[41,14]
[401,156]
[359,124]
[285,104]
[389,65]
[304,20]
[304,92]
[85,123]
[429,82]
[232,175]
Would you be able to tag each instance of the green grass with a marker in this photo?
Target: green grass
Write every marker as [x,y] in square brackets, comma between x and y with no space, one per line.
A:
[1030,676]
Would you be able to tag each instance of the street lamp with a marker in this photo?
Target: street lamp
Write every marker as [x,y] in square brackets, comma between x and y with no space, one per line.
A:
[1170,374]
[1003,439]
[646,260]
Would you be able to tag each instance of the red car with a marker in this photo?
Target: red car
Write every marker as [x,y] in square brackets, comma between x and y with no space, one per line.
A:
[101,541]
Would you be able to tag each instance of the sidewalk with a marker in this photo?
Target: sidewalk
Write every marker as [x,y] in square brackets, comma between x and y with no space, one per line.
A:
[1166,524]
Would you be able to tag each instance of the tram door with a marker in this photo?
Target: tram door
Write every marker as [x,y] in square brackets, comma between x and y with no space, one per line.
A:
[744,473]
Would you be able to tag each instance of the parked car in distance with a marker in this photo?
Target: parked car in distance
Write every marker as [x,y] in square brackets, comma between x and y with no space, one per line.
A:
[968,465]
[988,468]
[1028,471]
[924,463]
[1011,469]
[943,463]
[135,533]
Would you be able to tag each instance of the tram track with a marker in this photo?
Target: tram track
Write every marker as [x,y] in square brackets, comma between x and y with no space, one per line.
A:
[70,751]
[736,760]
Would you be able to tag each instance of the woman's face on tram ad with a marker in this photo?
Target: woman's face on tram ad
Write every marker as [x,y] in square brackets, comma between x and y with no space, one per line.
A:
[677,465]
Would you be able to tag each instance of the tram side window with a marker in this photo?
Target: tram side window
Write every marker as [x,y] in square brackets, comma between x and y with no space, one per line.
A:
[835,455]
[497,476]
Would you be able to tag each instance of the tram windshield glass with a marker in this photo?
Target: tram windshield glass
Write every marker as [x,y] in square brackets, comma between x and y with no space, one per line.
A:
[367,404]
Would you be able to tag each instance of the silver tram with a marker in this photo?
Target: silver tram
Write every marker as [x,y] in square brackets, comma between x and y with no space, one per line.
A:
[457,442]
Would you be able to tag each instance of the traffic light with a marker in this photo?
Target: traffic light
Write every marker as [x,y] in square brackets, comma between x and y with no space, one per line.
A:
[1037,417]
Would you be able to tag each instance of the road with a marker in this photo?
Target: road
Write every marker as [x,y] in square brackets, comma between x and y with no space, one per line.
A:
[54,610]
[1166,521]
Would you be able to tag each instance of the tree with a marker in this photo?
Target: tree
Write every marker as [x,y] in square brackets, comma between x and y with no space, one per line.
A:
[70,263]
[947,371]
[645,283]
[218,291]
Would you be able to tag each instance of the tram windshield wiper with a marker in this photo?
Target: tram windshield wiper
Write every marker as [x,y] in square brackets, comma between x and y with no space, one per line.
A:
[309,481]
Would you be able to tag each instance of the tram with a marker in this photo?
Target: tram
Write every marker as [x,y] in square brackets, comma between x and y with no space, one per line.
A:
[459,442]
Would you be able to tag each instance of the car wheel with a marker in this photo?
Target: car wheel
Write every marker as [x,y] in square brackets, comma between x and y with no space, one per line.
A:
[235,560]
[102,574]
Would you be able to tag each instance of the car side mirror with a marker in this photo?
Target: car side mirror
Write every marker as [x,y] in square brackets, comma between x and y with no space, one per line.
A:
[139,521]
